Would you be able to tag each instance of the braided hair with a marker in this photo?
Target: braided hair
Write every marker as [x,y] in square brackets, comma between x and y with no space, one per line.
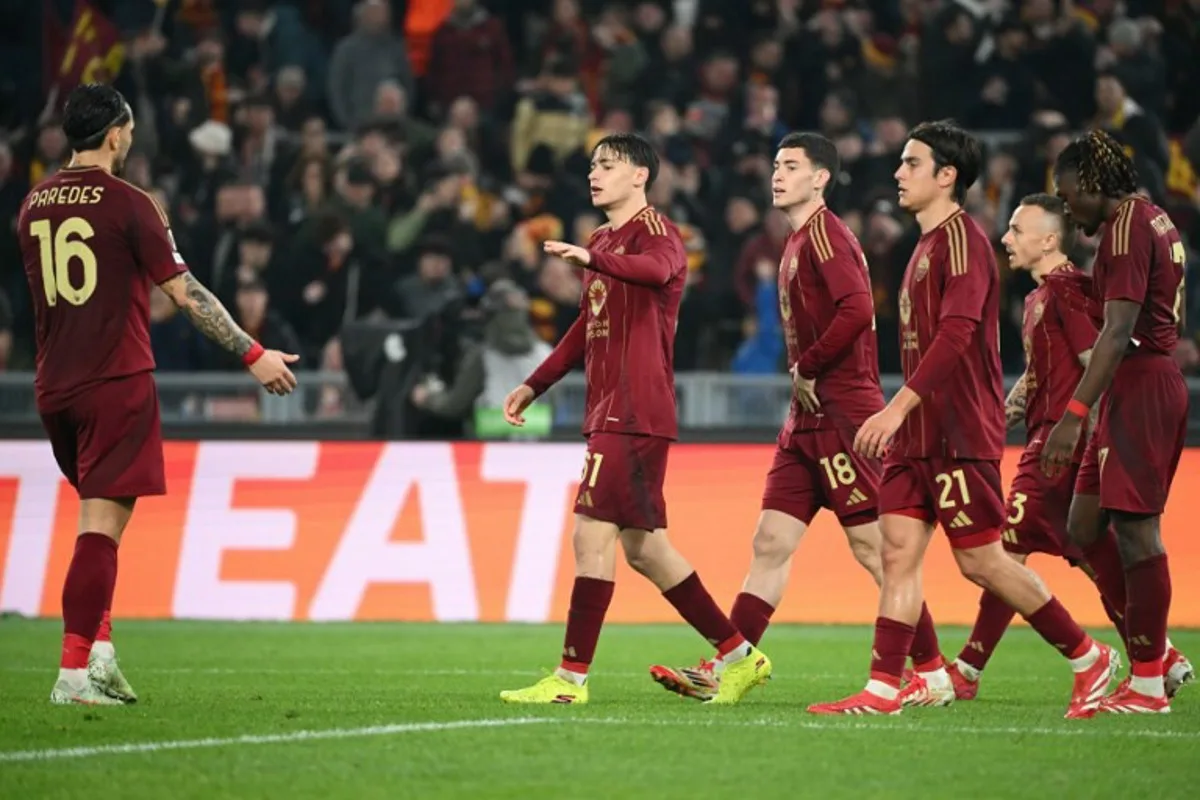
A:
[1101,165]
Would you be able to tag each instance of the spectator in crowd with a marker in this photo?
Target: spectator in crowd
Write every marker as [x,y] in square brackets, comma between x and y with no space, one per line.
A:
[364,60]
[338,160]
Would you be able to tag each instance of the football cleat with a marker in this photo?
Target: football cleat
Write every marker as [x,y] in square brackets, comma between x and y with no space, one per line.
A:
[105,674]
[863,704]
[919,692]
[964,687]
[700,683]
[1177,671]
[66,693]
[550,689]
[1127,701]
[1092,683]
[739,677]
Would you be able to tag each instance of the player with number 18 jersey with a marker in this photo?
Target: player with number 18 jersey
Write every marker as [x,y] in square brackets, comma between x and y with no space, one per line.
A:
[815,466]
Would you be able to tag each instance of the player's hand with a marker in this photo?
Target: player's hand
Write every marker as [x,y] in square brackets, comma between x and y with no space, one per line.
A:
[271,370]
[515,404]
[1060,445]
[1013,416]
[876,433]
[806,391]
[572,254]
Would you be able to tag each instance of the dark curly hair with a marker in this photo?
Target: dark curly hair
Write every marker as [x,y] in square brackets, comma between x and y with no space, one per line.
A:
[1100,163]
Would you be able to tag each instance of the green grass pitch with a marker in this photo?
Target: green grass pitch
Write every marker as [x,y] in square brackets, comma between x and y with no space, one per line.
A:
[411,711]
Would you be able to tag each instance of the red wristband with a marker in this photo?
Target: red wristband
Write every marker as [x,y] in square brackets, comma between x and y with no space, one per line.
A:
[253,354]
[1077,408]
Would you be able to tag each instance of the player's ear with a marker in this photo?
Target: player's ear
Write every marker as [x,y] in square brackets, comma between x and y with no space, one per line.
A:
[640,176]
[946,176]
[822,178]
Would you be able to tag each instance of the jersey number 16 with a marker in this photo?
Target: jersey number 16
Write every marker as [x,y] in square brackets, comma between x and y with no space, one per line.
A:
[58,248]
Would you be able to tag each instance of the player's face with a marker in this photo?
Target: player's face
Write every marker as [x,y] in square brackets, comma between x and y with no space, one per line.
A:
[1087,210]
[1028,237]
[795,181]
[612,178]
[918,180]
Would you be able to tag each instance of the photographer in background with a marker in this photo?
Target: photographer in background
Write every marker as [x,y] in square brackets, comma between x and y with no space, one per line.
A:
[448,380]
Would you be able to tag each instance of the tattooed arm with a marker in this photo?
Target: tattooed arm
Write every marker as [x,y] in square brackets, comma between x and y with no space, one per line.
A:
[1014,404]
[206,313]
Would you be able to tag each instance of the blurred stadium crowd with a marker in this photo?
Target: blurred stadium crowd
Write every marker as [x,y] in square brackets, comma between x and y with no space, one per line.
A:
[329,160]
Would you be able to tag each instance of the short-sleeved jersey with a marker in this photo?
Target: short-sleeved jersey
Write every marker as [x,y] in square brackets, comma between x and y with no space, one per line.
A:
[629,326]
[1141,259]
[1061,322]
[822,264]
[953,273]
[91,245]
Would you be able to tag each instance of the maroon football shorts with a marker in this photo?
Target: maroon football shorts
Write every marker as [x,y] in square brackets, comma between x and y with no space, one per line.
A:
[1131,460]
[819,469]
[108,441]
[1038,506]
[965,496]
[622,480]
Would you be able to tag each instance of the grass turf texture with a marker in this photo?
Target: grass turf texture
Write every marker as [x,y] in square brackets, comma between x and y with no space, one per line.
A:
[426,696]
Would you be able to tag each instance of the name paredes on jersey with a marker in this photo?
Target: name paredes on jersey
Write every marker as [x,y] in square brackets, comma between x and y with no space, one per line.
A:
[66,196]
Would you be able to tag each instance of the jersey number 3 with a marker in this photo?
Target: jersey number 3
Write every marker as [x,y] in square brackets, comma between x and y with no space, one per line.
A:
[58,248]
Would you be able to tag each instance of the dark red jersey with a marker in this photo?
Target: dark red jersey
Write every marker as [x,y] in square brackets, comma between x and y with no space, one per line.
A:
[92,245]
[625,333]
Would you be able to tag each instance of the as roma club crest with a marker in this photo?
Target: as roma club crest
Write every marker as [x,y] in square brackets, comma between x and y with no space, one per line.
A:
[922,269]
[793,265]
[785,304]
[905,307]
[597,294]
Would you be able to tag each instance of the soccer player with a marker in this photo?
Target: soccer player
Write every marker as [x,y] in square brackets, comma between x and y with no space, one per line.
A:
[828,313]
[635,268]
[1131,460]
[91,245]
[948,423]
[1059,329]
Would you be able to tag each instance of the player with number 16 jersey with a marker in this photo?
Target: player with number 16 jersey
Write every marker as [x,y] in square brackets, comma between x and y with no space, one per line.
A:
[91,245]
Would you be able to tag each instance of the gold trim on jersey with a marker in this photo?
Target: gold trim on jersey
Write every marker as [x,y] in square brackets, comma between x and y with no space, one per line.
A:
[820,237]
[1122,222]
[649,217]
[956,238]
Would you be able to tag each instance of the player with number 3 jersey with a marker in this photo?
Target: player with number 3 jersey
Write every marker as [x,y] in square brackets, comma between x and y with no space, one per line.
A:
[948,423]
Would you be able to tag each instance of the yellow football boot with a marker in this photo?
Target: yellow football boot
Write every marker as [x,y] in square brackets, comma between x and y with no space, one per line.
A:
[740,676]
[550,689]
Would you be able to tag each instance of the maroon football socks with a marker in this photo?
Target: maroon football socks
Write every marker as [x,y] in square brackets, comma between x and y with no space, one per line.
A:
[991,622]
[893,643]
[698,609]
[87,592]
[1054,624]
[926,652]
[1104,557]
[751,615]
[1148,583]
[590,598]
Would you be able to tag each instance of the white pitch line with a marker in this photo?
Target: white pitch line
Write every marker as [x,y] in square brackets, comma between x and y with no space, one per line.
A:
[875,726]
[272,738]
